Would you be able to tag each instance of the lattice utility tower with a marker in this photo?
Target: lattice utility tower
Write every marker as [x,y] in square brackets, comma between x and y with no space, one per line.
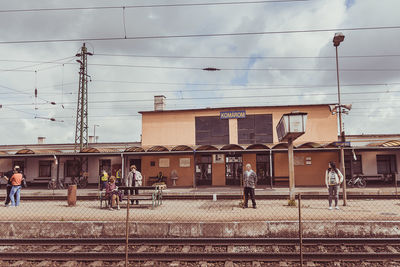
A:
[81,130]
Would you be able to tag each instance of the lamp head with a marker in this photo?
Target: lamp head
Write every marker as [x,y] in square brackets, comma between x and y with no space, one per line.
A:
[338,38]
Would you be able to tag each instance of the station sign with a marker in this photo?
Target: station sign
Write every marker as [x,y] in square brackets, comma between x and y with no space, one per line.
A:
[232,114]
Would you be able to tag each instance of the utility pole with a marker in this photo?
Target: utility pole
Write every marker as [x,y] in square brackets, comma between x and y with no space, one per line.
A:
[81,127]
[81,130]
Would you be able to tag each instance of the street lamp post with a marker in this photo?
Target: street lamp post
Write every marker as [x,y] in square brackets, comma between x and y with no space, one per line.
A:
[94,132]
[337,39]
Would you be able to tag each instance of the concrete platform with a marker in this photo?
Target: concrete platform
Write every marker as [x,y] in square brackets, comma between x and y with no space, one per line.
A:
[209,191]
[202,218]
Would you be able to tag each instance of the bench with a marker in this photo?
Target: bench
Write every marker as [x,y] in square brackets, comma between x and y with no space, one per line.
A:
[280,179]
[155,196]
[40,180]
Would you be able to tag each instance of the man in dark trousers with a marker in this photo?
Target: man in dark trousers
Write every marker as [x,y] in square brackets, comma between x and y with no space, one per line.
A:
[7,176]
[249,182]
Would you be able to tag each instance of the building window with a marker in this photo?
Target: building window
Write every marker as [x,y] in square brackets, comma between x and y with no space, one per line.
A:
[386,164]
[255,129]
[45,168]
[72,168]
[353,165]
[212,131]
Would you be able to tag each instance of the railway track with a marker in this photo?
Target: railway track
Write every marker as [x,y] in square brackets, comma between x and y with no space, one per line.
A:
[201,250]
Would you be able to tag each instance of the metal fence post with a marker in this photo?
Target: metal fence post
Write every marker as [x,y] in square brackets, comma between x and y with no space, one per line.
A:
[300,231]
[127,231]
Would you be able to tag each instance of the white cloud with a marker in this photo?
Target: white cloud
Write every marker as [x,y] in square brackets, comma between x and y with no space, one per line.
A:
[111,116]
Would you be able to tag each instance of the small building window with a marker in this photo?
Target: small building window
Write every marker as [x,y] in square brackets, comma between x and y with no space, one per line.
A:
[45,168]
[72,168]
[386,164]
[152,163]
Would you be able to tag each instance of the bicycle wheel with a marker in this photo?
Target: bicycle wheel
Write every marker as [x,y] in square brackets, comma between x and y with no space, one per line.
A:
[51,185]
[362,183]
[83,183]
[350,183]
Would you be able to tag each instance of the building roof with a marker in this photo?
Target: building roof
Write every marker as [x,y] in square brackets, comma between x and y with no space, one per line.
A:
[238,107]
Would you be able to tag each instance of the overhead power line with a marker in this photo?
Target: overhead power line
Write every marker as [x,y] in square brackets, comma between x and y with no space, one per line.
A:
[148,6]
[225,97]
[233,69]
[243,57]
[199,35]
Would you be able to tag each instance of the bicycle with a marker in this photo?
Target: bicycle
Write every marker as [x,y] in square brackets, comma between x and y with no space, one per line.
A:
[53,184]
[81,181]
[358,181]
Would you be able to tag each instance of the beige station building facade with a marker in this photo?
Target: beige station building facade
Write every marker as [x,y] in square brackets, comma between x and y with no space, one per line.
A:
[210,147]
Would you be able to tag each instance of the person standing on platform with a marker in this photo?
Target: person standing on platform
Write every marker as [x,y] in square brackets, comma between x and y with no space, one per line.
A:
[333,179]
[131,181]
[8,176]
[103,180]
[249,182]
[119,177]
[16,181]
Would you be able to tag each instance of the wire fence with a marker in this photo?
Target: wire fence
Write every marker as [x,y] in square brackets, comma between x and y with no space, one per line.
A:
[152,205]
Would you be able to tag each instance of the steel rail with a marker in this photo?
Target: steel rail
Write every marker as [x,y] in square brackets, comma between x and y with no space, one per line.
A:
[201,241]
[196,256]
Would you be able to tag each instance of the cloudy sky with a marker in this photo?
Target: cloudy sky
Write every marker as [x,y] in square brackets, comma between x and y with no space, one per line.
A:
[256,69]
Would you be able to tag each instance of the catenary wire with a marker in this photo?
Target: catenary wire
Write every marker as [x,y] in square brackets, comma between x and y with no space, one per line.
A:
[150,37]
[149,6]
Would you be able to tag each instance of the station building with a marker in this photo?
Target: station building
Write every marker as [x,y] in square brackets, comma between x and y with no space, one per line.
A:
[210,147]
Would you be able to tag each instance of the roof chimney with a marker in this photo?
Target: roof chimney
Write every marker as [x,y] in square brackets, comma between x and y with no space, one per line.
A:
[40,140]
[159,102]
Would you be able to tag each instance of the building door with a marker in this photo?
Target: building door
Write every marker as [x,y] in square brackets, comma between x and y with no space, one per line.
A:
[263,170]
[204,170]
[105,164]
[233,170]
[137,163]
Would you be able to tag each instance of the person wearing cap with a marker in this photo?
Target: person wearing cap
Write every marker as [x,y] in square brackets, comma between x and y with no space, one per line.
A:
[7,177]
[16,181]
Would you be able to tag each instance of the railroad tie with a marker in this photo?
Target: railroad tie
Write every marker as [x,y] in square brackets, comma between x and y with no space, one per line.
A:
[322,249]
[98,248]
[392,249]
[185,249]
[175,264]
[96,264]
[19,263]
[142,249]
[69,264]
[163,249]
[53,248]
[369,249]
[44,264]
[77,248]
